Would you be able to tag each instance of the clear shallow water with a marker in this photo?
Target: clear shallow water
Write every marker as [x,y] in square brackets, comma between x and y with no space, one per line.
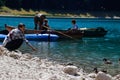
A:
[87,53]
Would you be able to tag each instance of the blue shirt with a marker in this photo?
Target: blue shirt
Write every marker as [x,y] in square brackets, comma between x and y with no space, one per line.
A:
[75,26]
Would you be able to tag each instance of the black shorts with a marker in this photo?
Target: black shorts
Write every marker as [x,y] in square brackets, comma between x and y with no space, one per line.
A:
[14,44]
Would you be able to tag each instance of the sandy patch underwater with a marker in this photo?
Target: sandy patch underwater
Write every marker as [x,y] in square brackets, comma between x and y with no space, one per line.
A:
[18,66]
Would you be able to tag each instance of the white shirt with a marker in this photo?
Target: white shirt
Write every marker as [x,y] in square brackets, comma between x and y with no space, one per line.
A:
[13,35]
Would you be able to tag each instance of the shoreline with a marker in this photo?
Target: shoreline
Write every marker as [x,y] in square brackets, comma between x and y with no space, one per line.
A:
[18,65]
[73,16]
[60,13]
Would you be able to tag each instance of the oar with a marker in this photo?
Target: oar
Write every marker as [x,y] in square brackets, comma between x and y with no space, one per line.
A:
[64,34]
[60,33]
[49,36]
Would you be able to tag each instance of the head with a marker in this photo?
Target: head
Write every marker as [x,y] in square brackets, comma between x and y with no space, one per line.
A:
[21,27]
[46,21]
[43,17]
[74,21]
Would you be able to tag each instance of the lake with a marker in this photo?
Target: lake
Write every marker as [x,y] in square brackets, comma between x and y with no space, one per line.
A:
[86,53]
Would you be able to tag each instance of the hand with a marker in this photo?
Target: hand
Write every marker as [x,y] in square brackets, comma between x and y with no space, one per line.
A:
[34,49]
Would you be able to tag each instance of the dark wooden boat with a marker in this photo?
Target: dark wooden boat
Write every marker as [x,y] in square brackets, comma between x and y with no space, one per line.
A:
[63,34]
[73,34]
[82,32]
[86,32]
[93,32]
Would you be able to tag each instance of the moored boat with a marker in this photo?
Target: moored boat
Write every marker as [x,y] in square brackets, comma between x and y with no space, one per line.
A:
[73,34]
[86,32]
[82,32]
[63,34]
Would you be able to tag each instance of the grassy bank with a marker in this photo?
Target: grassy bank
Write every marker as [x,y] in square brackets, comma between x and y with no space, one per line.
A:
[10,12]
[7,11]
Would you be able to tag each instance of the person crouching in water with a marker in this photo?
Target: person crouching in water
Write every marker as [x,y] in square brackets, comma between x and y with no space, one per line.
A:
[15,38]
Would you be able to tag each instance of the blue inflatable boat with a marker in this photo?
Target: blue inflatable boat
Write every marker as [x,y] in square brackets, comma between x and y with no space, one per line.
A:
[36,37]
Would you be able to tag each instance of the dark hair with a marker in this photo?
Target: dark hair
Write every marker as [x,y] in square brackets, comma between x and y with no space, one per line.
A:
[46,20]
[21,25]
[73,21]
[44,16]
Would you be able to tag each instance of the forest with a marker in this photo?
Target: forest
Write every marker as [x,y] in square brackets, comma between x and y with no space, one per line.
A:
[63,5]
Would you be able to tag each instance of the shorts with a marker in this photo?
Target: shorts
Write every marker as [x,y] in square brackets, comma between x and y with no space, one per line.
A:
[14,44]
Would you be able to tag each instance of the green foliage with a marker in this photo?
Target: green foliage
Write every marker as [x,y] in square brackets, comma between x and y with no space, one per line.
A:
[60,5]
[5,9]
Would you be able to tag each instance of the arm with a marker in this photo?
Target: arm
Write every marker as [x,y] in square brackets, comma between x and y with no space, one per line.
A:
[27,42]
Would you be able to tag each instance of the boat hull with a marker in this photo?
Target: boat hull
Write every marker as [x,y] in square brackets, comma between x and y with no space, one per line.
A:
[63,34]
[36,37]
[68,34]
[94,32]
[82,32]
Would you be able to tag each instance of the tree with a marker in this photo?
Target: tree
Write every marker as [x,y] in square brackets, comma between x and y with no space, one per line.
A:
[63,5]
[14,4]
[2,3]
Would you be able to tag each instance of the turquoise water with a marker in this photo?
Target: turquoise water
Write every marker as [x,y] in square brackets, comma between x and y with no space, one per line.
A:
[86,53]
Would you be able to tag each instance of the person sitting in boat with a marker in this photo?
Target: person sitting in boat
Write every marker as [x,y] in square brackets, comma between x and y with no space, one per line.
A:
[15,38]
[74,25]
[46,26]
[39,20]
